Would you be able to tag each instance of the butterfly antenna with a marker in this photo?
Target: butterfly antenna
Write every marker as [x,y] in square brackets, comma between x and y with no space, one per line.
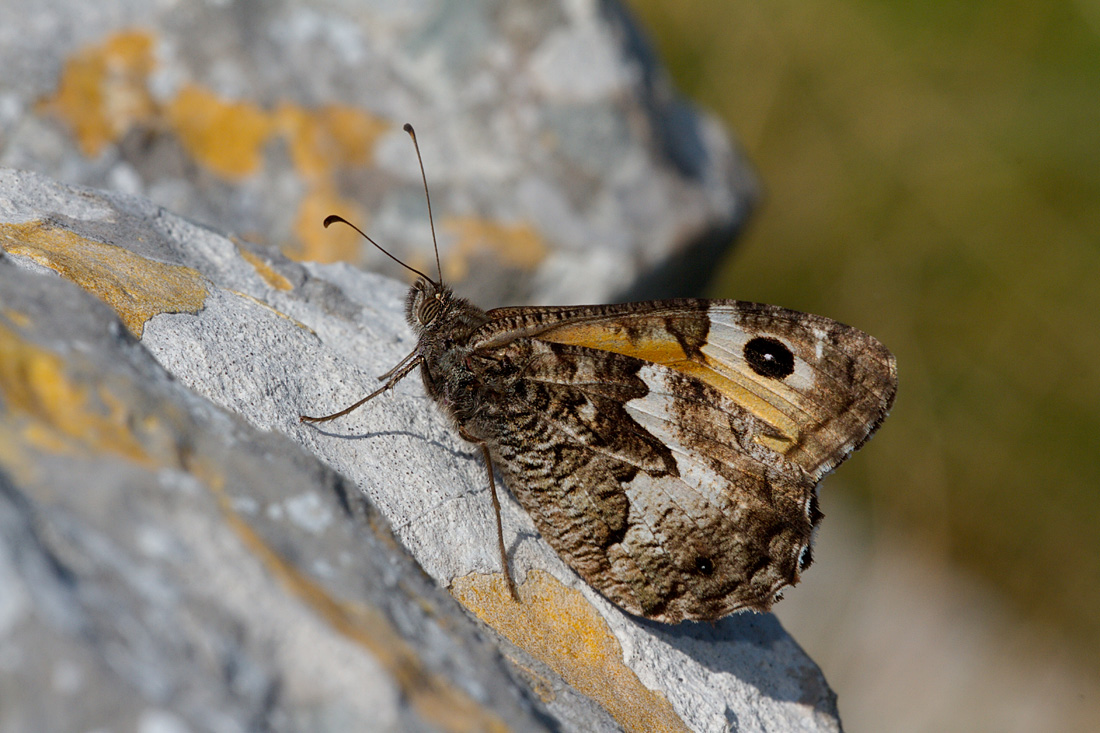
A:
[412,133]
[332,218]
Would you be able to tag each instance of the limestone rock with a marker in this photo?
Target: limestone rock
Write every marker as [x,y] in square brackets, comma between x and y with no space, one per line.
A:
[177,550]
[173,551]
[563,166]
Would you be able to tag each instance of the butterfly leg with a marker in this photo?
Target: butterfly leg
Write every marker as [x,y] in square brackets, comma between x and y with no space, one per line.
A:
[500,527]
[395,375]
[496,510]
[400,365]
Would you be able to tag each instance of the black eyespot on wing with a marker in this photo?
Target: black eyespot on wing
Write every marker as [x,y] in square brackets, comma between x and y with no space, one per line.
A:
[704,565]
[769,357]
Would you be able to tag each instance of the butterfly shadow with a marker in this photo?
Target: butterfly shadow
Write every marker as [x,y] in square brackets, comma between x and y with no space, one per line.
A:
[435,444]
[755,648]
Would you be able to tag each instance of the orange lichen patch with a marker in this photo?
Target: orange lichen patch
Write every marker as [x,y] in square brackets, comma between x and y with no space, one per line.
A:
[20,319]
[331,137]
[265,270]
[102,91]
[227,137]
[539,683]
[437,701]
[136,287]
[66,416]
[321,142]
[516,245]
[558,626]
[334,244]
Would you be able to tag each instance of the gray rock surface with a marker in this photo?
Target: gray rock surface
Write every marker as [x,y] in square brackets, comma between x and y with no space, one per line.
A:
[172,552]
[167,566]
[563,166]
[178,551]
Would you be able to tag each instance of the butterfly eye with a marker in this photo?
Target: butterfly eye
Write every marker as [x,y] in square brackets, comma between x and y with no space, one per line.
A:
[429,309]
[704,565]
[769,357]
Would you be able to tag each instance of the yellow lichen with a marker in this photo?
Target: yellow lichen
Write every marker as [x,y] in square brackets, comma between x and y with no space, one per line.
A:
[103,90]
[432,697]
[556,625]
[330,138]
[136,287]
[225,136]
[265,270]
[514,245]
[64,415]
[334,244]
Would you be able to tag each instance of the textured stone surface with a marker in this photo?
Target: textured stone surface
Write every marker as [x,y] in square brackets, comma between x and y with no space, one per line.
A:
[170,554]
[563,167]
[177,557]
[163,562]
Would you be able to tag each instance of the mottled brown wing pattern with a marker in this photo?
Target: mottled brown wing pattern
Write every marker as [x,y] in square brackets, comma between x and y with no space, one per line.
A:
[839,388]
[654,455]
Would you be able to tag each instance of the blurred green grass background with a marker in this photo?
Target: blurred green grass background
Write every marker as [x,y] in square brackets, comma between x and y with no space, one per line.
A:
[932,176]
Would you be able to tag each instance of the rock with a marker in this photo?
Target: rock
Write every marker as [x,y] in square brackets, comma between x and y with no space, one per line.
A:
[177,549]
[163,562]
[172,551]
[563,167]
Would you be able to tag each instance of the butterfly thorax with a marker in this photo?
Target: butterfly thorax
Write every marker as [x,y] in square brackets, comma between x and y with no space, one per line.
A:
[444,325]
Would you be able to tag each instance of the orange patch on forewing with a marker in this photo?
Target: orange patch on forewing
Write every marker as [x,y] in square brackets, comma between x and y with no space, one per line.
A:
[103,90]
[750,394]
[514,245]
[136,287]
[658,346]
[556,625]
[227,137]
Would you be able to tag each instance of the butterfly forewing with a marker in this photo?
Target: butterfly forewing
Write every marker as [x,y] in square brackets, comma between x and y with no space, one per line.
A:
[835,391]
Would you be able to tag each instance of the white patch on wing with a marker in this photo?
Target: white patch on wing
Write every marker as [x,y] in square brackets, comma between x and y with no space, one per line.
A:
[819,343]
[640,540]
[655,413]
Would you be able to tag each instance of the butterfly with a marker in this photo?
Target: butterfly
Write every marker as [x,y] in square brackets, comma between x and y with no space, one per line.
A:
[669,451]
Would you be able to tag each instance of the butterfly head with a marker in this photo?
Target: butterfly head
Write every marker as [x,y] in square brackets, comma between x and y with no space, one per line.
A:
[426,303]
